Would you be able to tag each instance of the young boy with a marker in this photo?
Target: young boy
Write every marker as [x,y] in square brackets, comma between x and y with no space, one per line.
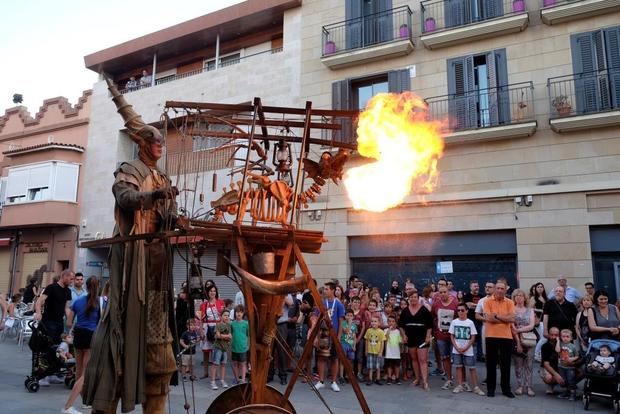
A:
[568,356]
[221,348]
[463,335]
[375,312]
[348,339]
[375,340]
[240,345]
[392,350]
[188,342]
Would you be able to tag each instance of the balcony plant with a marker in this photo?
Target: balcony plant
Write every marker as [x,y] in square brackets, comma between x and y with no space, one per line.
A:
[548,3]
[330,48]
[562,105]
[429,24]
[404,31]
[518,6]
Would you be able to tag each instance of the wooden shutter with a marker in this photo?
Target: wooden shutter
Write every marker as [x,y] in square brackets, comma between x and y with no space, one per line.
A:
[399,81]
[497,60]
[588,58]
[461,90]
[341,99]
[385,25]
[457,13]
[612,46]
[353,29]
[492,9]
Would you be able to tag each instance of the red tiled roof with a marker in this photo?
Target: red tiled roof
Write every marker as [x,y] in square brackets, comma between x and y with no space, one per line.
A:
[42,147]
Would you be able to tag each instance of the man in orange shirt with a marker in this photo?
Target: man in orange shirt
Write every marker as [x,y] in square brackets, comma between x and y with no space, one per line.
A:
[499,314]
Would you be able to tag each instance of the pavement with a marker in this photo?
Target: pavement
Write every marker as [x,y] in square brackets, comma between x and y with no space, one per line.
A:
[394,399]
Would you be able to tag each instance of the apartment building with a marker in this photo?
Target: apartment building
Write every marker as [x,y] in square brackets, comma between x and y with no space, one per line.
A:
[252,49]
[529,180]
[42,182]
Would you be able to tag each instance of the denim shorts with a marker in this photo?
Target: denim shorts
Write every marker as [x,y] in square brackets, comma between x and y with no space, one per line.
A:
[459,360]
[219,356]
[445,348]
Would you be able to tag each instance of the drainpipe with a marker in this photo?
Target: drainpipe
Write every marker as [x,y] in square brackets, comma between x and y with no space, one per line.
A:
[14,261]
[154,68]
[217,51]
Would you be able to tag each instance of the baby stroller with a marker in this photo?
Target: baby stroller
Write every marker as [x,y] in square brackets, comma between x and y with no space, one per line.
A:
[45,361]
[601,379]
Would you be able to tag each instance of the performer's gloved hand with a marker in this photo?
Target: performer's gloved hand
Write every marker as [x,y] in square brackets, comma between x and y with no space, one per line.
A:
[166,192]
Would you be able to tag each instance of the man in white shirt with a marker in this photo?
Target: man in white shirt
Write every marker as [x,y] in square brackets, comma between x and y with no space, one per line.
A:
[570,293]
[489,288]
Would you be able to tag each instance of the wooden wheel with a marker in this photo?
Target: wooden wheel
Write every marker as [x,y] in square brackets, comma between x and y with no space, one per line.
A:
[236,400]
[259,409]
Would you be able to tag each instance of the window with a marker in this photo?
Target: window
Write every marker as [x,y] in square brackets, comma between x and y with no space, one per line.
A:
[478,93]
[355,93]
[224,61]
[205,142]
[368,22]
[463,12]
[39,182]
[596,64]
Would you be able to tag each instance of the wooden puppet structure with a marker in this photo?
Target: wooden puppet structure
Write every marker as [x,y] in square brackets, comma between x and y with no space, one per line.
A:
[278,159]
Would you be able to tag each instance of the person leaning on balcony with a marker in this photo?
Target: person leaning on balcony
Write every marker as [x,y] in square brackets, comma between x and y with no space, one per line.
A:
[131,84]
[145,80]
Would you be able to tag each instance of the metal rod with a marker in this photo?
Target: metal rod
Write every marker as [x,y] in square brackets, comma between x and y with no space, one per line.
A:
[300,167]
[247,158]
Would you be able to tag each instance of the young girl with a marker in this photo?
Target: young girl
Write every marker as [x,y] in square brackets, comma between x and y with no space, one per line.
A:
[240,344]
[392,351]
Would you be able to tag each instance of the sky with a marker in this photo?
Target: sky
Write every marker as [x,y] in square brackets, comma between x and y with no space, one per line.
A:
[43,42]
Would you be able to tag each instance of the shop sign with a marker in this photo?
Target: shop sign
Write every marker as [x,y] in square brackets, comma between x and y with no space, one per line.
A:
[444,267]
[39,247]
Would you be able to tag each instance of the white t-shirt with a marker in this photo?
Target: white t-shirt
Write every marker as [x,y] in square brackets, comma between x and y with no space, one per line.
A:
[392,345]
[462,331]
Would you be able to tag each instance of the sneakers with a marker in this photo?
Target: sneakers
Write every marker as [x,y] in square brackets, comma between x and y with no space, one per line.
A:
[319,385]
[71,410]
[530,392]
[457,389]
[550,390]
[335,387]
[564,395]
[43,382]
[519,391]
[438,373]
[466,387]
[572,396]
[214,386]
[478,391]
[224,384]
[449,384]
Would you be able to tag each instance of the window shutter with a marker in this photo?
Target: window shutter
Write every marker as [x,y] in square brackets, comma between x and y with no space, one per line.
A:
[18,183]
[462,99]
[65,188]
[586,51]
[353,10]
[399,81]
[341,99]
[40,176]
[493,8]
[457,13]
[385,26]
[612,43]
[498,78]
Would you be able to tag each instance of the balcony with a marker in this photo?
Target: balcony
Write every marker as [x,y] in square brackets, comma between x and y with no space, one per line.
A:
[450,22]
[223,63]
[584,100]
[40,213]
[369,38]
[486,114]
[560,11]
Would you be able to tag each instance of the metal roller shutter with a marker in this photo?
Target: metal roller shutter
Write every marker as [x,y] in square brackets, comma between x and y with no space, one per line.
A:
[226,287]
[5,265]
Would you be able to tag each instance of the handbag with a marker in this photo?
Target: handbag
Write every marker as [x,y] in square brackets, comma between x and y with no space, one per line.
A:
[211,333]
[528,339]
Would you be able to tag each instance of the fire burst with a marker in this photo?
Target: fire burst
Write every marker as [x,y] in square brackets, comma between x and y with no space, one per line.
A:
[394,130]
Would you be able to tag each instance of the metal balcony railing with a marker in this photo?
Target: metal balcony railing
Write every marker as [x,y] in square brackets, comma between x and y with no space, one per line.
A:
[584,93]
[224,62]
[387,26]
[450,14]
[484,108]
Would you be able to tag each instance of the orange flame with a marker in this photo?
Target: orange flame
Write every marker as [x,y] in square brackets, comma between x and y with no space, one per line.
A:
[394,130]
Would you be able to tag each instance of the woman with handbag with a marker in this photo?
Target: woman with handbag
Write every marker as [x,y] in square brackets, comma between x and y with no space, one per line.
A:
[525,340]
[210,315]
[538,297]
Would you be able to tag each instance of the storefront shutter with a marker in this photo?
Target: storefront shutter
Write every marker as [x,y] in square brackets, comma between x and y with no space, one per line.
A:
[5,270]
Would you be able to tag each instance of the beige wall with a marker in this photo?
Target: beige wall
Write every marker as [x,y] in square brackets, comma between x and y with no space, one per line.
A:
[479,180]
